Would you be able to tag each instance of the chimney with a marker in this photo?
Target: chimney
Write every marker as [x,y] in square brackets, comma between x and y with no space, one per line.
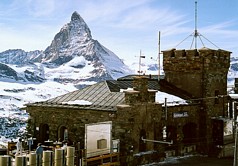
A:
[140,83]
[140,92]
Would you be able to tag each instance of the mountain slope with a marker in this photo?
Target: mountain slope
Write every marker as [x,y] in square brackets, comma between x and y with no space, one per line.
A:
[74,41]
[73,59]
[19,57]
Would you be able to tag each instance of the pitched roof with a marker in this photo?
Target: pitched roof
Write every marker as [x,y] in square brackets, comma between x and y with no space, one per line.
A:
[107,95]
[99,95]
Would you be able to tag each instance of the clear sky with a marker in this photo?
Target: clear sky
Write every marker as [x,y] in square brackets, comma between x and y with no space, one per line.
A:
[123,26]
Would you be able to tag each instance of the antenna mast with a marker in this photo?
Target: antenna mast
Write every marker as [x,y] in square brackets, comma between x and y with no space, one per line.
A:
[141,56]
[139,63]
[195,31]
[159,57]
[196,34]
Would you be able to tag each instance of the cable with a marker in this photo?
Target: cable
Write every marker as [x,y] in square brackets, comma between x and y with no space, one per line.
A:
[196,34]
[198,99]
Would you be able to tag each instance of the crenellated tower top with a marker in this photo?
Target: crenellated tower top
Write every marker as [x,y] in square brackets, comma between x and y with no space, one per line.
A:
[197,70]
[195,60]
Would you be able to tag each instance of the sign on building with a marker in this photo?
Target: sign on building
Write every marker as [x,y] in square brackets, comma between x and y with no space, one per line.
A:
[180,114]
[98,138]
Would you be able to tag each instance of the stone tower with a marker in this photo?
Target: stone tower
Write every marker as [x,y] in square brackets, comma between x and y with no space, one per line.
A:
[202,73]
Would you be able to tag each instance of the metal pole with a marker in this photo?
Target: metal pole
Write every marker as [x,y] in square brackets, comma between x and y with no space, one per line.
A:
[165,107]
[159,57]
[196,31]
[162,142]
[140,62]
[235,150]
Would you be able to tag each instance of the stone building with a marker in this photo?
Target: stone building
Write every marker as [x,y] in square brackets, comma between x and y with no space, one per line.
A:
[202,73]
[134,114]
[145,127]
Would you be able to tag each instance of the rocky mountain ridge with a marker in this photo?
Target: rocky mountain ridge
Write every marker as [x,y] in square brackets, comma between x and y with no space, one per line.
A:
[72,60]
[74,41]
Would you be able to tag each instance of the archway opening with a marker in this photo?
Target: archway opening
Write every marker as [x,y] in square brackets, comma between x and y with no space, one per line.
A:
[171,133]
[190,133]
[44,133]
[62,134]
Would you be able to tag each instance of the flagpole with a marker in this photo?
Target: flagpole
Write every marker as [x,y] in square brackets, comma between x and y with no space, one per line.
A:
[139,71]
[159,57]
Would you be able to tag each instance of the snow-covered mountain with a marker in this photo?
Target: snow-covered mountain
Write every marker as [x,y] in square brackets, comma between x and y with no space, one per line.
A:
[29,73]
[73,47]
[19,56]
[73,59]
[233,71]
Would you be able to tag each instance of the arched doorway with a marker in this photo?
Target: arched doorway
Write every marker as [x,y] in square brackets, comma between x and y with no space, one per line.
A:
[171,133]
[62,133]
[44,133]
[190,133]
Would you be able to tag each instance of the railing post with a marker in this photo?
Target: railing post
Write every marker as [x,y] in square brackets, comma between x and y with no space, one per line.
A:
[20,161]
[32,159]
[70,156]
[5,160]
[47,158]
[59,157]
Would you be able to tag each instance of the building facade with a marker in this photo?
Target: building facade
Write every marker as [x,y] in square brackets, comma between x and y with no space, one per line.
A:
[202,73]
[146,129]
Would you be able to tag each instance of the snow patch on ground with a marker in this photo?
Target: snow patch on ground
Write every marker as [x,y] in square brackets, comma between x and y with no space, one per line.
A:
[13,97]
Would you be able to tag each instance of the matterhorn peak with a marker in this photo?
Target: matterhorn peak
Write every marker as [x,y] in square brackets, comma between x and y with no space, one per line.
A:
[70,36]
[78,24]
[76,16]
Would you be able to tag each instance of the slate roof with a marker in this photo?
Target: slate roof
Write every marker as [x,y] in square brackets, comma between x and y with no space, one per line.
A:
[98,94]
[106,95]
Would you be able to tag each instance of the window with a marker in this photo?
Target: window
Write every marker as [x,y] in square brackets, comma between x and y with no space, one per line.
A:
[62,133]
[102,144]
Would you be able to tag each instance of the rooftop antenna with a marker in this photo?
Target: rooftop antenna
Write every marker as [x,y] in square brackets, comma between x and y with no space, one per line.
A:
[139,71]
[159,57]
[195,31]
[196,34]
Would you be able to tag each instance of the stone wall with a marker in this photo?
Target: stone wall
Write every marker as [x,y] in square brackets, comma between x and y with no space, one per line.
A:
[194,70]
[130,124]
[202,73]
[73,119]
[137,118]
[126,126]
